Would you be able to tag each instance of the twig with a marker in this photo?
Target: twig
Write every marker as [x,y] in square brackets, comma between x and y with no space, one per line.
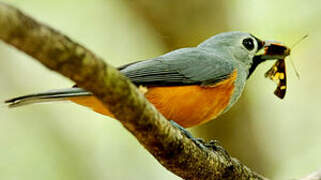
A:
[314,176]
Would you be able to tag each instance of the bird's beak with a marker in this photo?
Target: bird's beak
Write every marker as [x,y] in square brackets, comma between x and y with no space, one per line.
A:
[274,50]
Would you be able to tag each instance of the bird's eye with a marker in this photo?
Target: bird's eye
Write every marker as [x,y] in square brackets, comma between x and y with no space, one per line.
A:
[248,44]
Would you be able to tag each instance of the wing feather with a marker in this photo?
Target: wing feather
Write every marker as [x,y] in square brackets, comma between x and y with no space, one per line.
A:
[181,67]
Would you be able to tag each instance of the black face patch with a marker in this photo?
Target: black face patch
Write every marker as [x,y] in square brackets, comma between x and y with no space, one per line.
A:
[256,61]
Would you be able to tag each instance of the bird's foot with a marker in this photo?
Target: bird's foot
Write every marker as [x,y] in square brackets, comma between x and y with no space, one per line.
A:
[216,146]
[198,141]
[213,145]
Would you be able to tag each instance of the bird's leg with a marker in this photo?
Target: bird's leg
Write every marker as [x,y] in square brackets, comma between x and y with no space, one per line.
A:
[198,141]
[213,145]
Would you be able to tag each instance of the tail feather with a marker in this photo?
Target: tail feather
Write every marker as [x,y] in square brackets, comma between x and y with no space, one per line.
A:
[53,95]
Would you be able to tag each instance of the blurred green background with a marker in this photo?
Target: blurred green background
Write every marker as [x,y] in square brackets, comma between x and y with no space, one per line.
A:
[278,138]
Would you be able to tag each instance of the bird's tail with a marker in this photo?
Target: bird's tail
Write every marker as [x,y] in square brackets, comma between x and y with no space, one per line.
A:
[53,95]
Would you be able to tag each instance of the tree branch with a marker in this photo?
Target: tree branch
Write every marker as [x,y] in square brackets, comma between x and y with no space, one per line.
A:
[313,176]
[167,144]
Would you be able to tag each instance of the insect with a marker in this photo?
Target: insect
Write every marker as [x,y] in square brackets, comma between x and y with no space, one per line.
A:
[277,73]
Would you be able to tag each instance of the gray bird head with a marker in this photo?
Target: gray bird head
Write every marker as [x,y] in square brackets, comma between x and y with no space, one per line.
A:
[238,45]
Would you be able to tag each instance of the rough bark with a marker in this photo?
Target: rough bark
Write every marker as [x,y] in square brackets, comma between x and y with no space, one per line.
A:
[167,144]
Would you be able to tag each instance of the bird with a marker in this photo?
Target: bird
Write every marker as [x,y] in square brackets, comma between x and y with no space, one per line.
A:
[189,86]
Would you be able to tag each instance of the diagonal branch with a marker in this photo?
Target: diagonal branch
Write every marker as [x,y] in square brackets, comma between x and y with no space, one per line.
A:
[313,176]
[167,144]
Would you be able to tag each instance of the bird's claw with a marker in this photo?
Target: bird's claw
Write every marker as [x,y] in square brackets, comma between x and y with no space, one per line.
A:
[213,145]
[198,141]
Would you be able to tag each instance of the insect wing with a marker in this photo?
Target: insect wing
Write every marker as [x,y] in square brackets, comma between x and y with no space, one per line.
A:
[277,73]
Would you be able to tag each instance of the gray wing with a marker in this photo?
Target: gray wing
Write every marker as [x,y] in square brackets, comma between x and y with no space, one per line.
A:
[181,67]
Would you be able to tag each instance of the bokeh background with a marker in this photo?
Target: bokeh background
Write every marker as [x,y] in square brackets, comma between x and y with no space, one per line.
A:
[278,138]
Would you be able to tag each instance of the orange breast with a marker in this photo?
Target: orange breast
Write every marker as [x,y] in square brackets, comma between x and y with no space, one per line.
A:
[192,105]
[187,105]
